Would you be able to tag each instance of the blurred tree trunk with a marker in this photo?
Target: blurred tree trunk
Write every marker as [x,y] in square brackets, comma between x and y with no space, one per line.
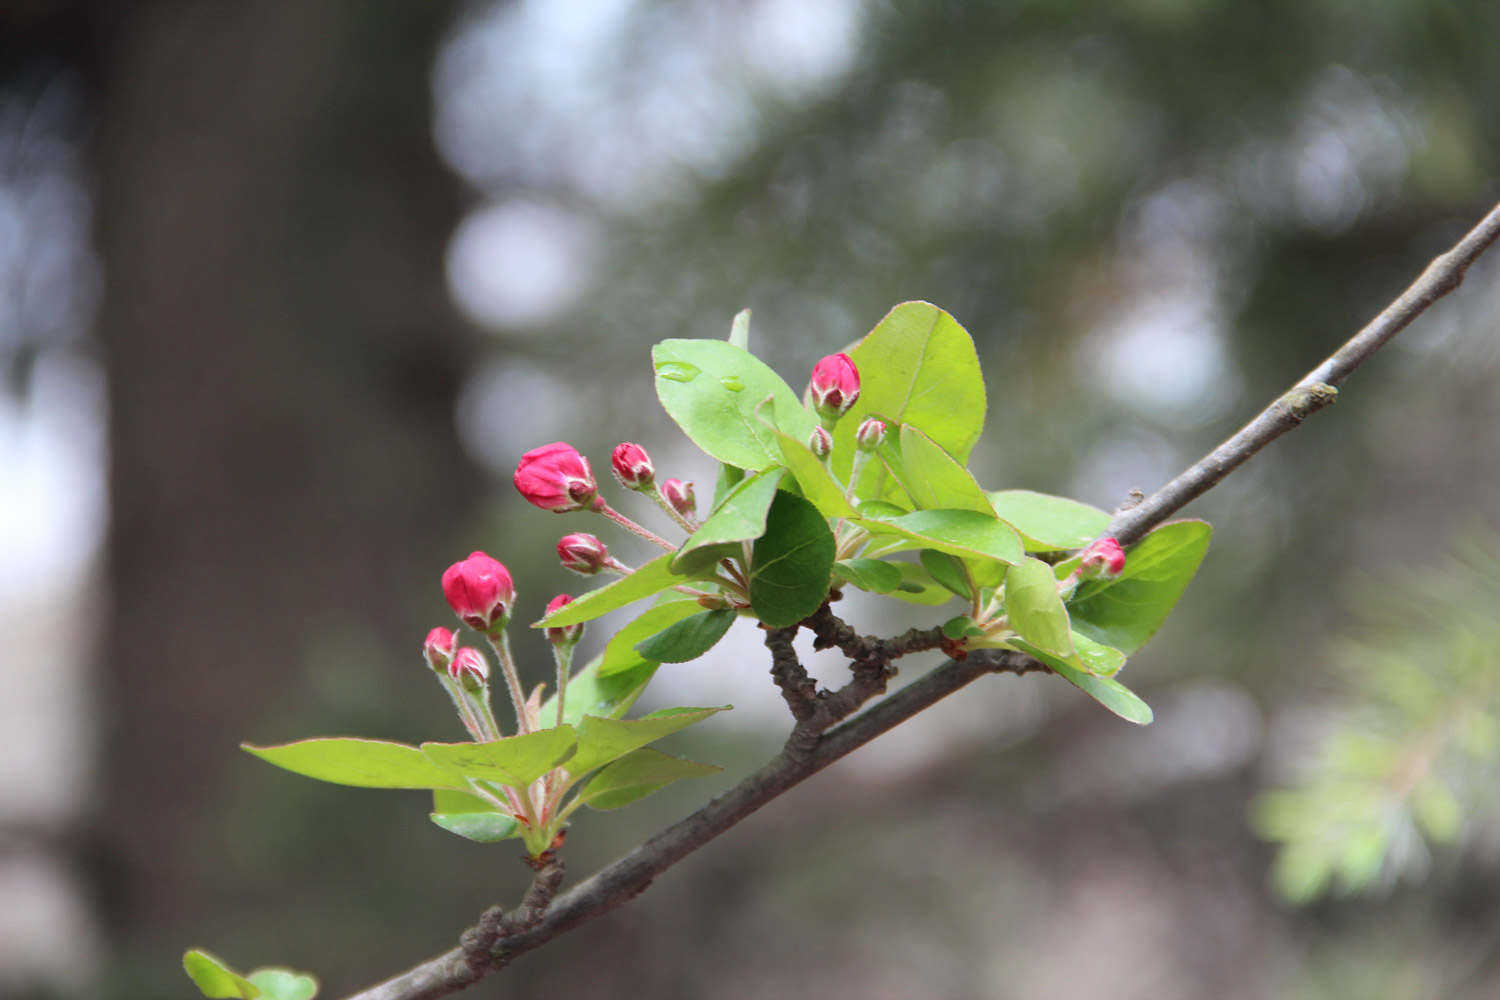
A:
[282,362]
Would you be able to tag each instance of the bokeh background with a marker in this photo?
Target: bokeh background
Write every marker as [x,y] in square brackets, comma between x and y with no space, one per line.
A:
[287,288]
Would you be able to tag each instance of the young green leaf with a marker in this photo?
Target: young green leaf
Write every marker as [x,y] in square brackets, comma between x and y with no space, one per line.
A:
[1107,691]
[1034,608]
[471,817]
[918,367]
[947,570]
[933,479]
[688,639]
[216,980]
[360,763]
[637,775]
[964,533]
[812,475]
[712,389]
[918,587]
[609,697]
[284,984]
[603,740]
[515,760]
[1049,523]
[1126,612]
[740,517]
[790,564]
[739,330]
[621,655]
[652,578]
[874,575]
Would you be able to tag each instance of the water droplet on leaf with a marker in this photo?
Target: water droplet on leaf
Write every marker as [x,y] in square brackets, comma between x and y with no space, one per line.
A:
[732,383]
[677,371]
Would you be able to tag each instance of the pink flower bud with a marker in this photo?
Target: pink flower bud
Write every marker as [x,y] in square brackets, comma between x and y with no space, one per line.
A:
[870,435]
[680,495]
[438,648]
[632,466]
[470,668]
[1103,557]
[834,386]
[563,635]
[582,553]
[556,478]
[820,442]
[480,592]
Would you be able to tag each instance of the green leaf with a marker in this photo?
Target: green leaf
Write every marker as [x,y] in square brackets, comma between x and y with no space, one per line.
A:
[284,984]
[1107,691]
[934,480]
[688,639]
[637,775]
[918,367]
[1126,612]
[791,563]
[515,760]
[874,575]
[961,627]
[918,587]
[729,476]
[621,655]
[471,817]
[1095,657]
[1034,608]
[215,979]
[963,533]
[603,740]
[947,570]
[712,389]
[652,578]
[740,517]
[1049,523]
[360,763]
[814,477]
[739,330]
[609,697]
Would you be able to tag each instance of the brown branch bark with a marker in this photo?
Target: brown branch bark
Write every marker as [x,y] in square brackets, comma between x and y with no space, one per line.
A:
[818,746]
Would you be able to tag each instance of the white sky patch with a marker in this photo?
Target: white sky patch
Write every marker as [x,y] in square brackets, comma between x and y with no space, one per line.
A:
[520,263]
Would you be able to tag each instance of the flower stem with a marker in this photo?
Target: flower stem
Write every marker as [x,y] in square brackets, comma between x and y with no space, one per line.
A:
[500,642]
[634,528]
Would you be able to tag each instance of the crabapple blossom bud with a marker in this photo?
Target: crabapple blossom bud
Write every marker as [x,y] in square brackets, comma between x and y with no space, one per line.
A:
[870,435]
[480,591]
[582,553]
[680,495]
[632,466]
[820,442]
[834,386]
[563,635]
[470,668]
[438,648]
[556,478]
[1103,557]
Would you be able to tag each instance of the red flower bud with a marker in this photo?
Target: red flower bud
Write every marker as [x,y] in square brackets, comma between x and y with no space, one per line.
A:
[563,635]
[820,442]
[680,495]
[582,553]
[834,386]
[480,591]
[556,478]
[470,668]
[870,434]
[632,466]
[1103,557]
[438,648]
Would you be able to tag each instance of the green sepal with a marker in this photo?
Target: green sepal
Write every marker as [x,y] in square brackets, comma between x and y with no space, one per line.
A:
[515,760]
[790,565]
[360,763]
[687,639]
[637,775]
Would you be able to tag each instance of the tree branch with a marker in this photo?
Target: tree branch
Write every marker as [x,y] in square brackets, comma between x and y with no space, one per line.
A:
[627,877]
[1317,389]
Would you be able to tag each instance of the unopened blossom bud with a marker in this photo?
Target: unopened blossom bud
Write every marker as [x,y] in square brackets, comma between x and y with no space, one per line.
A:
[470,668]
[1103,557]
[680,495]
[820,442]
[563,635]
[870,435]
[834,386]
[582,553]
[556,478]
[438,648]
[480,591]
[632,466]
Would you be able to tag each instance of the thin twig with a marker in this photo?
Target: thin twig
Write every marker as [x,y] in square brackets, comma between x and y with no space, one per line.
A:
[627,877]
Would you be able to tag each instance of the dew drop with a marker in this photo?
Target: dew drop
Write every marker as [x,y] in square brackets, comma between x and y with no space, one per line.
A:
[732,383]
[677,371]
